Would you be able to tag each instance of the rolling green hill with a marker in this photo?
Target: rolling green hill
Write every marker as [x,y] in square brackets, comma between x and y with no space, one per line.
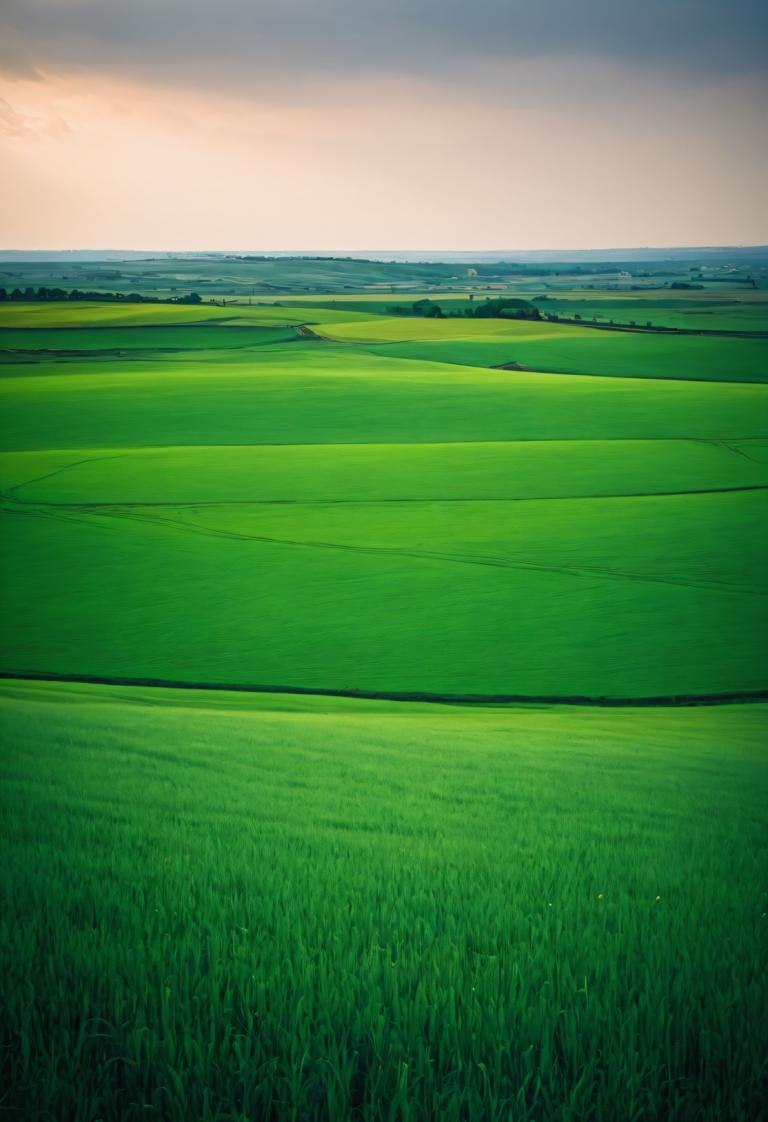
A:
[560,348]
[312,515]
[539,900]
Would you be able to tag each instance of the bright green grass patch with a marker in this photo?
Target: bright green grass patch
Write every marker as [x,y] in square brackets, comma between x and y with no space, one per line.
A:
[385,549]
[381,472]
[560,348]
[458,598]
[79,314]
[321,394]
[401,329]
[230,908]
[612,354]
[158,338]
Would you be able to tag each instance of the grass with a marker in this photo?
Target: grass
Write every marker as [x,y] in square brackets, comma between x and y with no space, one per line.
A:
[478,597]
[84,315]
[562,349]
[343,473]
[227,908]
[42,343]
[693,311]
[609,354]
[385,329]
[321,394]
[467,550]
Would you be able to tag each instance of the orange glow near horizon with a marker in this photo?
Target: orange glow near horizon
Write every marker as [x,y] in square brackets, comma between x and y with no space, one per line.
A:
[95,161]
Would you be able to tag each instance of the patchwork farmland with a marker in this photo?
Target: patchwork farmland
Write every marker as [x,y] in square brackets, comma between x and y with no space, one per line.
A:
[384,709]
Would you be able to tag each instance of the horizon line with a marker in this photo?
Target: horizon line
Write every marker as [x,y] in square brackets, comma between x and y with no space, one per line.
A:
[342,252]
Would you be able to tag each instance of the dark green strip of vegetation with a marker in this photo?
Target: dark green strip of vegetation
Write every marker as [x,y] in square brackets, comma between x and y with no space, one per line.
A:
[733,697]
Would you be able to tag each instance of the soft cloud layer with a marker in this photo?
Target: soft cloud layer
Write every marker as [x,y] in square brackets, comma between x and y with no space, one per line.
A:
[248,40]
[297,124]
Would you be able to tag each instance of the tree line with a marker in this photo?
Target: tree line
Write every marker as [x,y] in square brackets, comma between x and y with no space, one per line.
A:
[487,309]
[43,293]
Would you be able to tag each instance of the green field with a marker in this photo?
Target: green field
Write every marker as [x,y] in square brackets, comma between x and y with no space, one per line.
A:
[258,903]
[706,310]
[366,516]
[237,909]
[43,344]
[79,316]
[560,348]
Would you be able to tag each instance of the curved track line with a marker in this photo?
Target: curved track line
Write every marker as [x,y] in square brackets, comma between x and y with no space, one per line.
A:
[180,503]
[488,561]
[731,697]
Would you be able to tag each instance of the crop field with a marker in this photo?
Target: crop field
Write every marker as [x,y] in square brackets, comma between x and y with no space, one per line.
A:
[703,314]
[384,713]
[293,908]
[706,306]
[242,277]
[560,348]
[36,345]
[92,315]
[492,591]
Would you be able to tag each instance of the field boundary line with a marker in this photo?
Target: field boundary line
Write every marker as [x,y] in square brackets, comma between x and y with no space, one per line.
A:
[732,697]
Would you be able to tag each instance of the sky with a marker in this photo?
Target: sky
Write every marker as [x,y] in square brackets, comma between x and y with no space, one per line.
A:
[379,124]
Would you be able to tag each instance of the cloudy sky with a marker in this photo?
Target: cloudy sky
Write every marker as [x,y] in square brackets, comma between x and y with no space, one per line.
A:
[381,124]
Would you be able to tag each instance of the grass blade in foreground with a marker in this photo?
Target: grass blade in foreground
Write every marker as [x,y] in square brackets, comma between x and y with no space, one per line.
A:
[345,910]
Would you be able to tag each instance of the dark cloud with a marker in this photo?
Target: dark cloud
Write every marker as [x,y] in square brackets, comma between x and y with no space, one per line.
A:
[258,41]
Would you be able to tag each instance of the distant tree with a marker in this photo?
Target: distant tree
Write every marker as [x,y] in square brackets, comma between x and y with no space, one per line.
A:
[506,308]
[426,308]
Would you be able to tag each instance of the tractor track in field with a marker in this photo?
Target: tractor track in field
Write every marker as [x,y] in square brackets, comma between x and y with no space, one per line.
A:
[58,471]
[12,491]
[684,700]
[112,504]
[83,516]
[739,451]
